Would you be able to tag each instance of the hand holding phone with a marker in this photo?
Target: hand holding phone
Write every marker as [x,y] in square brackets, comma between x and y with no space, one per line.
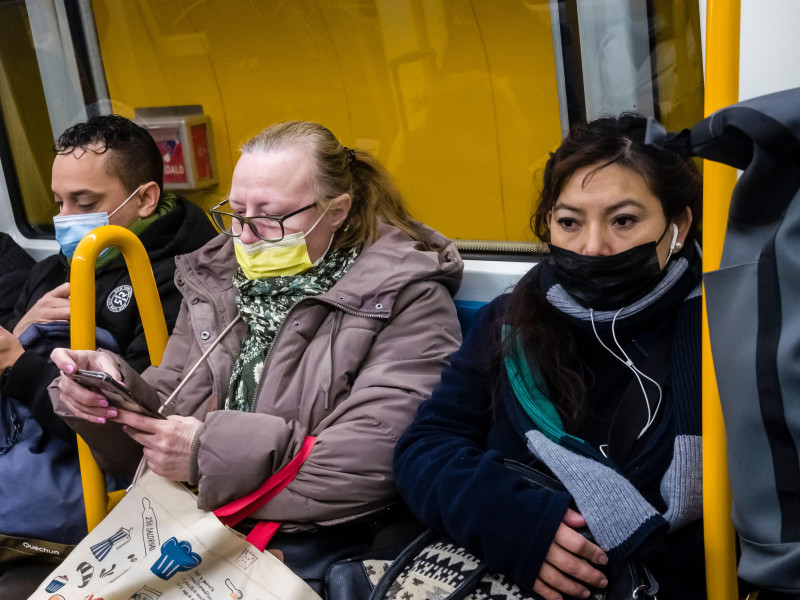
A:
[117,394]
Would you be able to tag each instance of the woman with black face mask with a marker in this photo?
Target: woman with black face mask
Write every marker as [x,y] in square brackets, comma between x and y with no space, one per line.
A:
[588,371]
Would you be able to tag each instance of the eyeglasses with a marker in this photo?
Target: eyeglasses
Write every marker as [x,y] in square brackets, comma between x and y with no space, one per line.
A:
[269,229]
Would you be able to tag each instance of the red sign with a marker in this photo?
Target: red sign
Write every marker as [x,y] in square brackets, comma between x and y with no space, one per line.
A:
[169,143]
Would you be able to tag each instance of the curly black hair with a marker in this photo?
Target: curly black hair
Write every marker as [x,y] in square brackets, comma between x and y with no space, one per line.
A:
[135,158]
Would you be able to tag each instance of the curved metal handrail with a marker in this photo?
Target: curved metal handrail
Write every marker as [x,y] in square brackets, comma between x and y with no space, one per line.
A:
[82,330]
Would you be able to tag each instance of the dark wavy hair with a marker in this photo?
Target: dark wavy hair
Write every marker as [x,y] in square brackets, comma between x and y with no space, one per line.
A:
[671,177]
[133,156]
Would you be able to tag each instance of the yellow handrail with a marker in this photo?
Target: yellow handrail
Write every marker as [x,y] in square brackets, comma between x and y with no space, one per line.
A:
[82,330]
[721,89]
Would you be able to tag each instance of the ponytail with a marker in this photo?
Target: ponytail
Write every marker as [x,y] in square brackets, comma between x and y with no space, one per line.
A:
[339,170]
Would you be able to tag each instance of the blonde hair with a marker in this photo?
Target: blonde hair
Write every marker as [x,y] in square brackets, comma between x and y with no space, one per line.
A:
[337,170]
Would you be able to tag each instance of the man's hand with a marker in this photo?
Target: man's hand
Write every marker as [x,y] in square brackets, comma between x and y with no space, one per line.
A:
[10,349]
[167,443]
[53,306]
[567,567]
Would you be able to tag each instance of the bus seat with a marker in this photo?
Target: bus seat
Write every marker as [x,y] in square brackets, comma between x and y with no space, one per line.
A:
[467,311]
[82,333]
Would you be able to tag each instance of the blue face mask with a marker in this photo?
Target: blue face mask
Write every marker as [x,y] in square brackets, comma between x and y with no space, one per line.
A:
[71,229]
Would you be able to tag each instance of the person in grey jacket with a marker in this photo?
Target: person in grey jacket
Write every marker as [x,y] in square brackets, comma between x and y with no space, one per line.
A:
[334,317]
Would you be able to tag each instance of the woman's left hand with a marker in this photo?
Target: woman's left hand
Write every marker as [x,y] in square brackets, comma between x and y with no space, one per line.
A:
[167,443]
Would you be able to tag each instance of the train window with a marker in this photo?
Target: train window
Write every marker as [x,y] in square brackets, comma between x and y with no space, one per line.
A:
[462,100]
[46,82]
[27,140]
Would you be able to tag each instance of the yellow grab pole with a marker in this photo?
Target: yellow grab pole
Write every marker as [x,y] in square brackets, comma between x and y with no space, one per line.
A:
[721,89]
[82,330]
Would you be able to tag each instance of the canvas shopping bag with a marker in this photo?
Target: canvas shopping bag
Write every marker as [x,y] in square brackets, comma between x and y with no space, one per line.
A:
[157,545]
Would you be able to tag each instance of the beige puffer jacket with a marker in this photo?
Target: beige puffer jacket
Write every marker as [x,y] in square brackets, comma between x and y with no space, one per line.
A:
[349,366]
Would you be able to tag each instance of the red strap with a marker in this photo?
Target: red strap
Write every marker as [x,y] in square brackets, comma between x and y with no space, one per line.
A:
[262,534]
[238,510]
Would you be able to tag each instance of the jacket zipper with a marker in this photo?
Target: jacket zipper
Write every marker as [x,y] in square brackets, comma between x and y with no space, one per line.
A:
[215,315]
[268,358]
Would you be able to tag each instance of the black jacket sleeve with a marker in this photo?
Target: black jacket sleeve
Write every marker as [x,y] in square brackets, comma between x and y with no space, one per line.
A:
[452,475]
[27,383]
[15,264]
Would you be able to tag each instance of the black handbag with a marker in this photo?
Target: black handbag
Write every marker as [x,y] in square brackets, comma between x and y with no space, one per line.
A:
[435,567]
[310,554]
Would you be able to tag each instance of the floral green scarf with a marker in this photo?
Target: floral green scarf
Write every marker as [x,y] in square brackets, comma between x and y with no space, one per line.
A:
[264,304]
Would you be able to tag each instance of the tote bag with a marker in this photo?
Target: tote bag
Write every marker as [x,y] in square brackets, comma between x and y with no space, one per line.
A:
[157,545]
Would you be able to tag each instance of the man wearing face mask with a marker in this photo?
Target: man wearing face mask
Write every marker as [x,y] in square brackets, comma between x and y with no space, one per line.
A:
[106,171]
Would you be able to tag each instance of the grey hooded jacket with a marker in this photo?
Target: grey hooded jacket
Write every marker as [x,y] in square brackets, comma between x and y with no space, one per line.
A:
[349,366]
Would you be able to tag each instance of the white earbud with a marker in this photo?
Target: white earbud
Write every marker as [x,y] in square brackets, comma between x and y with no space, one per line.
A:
[674,243]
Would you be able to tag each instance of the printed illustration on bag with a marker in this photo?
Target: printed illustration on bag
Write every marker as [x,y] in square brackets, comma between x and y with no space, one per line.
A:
[150,536]
[244,559]
[108,572]
[146,593]
[56,584]
[118,540]
[56,597]
[195,586]
[236,594]
[175,557]
[86,571]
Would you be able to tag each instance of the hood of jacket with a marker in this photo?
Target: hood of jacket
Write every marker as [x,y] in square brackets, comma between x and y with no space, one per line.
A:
[371,284]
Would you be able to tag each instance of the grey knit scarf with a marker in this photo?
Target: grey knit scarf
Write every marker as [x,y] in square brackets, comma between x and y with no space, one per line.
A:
[619,518]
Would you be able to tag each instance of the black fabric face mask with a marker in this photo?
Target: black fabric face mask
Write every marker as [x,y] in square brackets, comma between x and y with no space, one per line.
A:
[607,282]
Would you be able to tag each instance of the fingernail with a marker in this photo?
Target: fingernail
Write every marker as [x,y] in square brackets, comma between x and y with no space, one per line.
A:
[103,403]
[101,420]
[603,583]
[604,560]
[585,593]
[68,369]
[111,413]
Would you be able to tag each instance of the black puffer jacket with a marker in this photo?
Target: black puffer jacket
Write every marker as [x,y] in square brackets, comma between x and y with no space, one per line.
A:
[184,229]
[15,264]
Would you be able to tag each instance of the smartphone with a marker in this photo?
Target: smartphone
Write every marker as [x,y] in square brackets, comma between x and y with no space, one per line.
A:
[117,394]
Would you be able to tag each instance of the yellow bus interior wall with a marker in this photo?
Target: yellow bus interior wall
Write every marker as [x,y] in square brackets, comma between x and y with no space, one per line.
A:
[458,99]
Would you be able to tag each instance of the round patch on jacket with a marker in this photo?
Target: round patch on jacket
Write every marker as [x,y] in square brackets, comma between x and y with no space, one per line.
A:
[119,298]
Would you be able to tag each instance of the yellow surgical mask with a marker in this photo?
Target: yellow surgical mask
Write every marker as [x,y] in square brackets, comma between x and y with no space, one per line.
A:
[273,259]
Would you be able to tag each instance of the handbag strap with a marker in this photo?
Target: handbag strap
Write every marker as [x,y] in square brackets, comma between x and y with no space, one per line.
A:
[406,558]
[237,511]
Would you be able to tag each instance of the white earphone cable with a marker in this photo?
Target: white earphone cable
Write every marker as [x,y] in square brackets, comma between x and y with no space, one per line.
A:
[651,415]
